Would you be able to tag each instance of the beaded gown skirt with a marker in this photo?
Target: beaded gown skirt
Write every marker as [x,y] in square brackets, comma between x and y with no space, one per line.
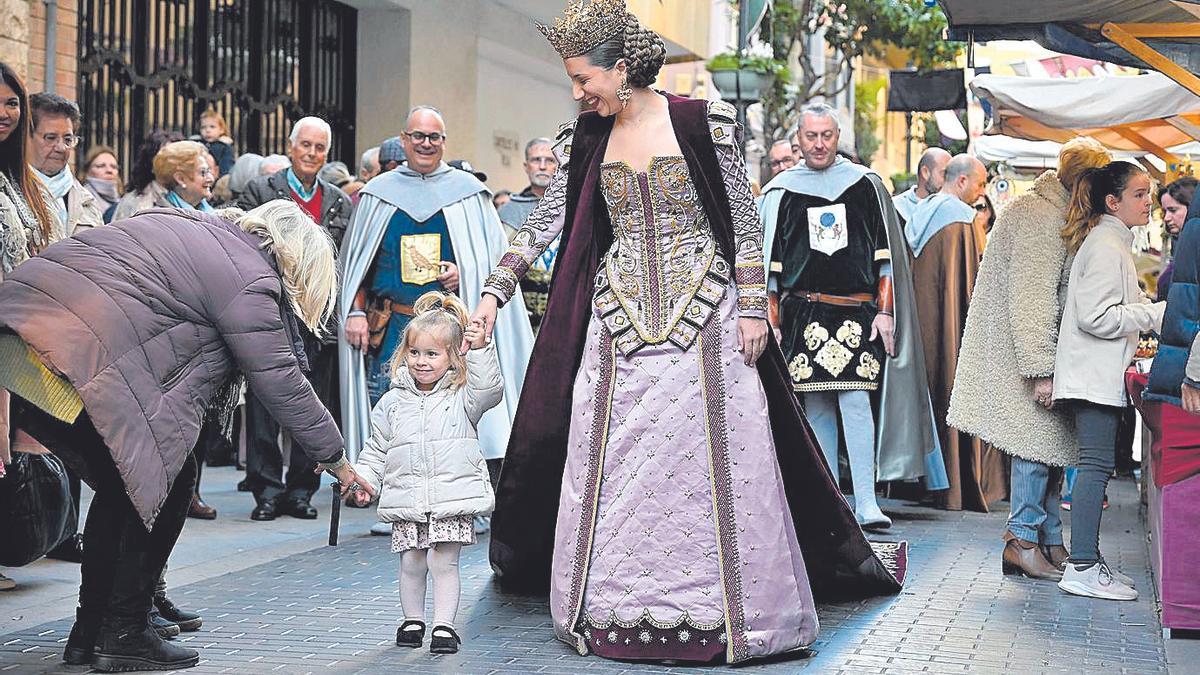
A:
[674,539]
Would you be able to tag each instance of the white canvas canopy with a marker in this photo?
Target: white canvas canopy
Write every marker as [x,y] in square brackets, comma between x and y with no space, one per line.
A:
[1143,113]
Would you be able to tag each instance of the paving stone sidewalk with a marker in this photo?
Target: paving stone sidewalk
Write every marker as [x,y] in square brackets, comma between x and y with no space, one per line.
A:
[335,610]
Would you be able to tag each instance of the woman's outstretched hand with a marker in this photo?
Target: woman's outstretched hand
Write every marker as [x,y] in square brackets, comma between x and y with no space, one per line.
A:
[752,339]
[485,317]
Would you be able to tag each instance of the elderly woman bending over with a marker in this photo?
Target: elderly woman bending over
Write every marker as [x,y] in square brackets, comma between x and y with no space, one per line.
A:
[115,343]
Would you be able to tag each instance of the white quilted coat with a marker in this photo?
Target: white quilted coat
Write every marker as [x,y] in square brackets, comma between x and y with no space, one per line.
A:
[423,454]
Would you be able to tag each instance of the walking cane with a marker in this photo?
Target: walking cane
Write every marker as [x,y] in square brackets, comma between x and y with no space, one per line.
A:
[335,515]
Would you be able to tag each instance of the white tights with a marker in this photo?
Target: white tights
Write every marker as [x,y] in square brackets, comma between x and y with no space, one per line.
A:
[440,560]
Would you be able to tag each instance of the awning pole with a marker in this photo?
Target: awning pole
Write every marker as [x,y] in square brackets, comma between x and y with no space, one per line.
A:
[1127,41]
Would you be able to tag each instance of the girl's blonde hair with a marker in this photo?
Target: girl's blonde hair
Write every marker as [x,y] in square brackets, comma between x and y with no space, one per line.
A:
[177,157]
[444,315]
[1088,199]
[305,254]
[212,113]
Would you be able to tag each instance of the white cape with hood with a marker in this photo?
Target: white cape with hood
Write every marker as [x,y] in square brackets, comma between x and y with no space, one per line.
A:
[478,241]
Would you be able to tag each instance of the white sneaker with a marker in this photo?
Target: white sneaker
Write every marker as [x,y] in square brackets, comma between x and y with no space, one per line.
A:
[381,529]
[1095,581]
[1128,581]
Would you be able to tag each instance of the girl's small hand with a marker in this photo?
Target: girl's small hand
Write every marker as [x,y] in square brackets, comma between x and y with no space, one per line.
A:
[474,335]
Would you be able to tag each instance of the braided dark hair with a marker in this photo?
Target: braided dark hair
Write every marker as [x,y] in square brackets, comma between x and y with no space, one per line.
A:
[643,50]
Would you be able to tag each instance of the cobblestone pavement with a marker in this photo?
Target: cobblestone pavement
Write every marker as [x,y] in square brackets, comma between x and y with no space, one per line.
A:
[335,610]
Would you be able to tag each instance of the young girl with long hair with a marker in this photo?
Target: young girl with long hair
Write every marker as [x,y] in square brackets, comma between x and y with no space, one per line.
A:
[424,457]
[1104,314]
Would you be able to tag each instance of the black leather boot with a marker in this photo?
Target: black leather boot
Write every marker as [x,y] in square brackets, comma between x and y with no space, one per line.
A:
[127,645]
[187,621]
[81,643]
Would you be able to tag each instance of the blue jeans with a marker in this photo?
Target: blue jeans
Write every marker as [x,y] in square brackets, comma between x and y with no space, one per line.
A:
[1034,515]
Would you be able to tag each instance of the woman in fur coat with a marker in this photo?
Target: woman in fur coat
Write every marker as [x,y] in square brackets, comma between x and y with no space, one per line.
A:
[1006,365]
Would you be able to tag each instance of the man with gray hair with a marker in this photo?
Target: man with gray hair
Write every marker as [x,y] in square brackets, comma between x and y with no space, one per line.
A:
[326,204]
[841,304]
[947,262]
[540,166]
[368,165]
[931,174]
[423,226]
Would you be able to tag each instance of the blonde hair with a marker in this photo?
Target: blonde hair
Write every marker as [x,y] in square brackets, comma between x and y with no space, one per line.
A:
[1078,155]
[444,315]
[305,254]
[212,114]
[177,157]
[1089,199]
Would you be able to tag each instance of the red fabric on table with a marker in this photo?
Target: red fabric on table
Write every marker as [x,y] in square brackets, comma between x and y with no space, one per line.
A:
[1175,451]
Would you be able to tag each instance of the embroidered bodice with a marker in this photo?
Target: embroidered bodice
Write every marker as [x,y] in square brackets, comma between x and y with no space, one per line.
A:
[664,274]
[662,277]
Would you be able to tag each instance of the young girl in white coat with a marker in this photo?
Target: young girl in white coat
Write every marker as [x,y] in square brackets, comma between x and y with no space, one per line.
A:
[1103,315]
[424,459]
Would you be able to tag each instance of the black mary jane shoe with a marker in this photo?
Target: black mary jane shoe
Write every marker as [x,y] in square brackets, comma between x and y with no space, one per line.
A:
[443,643]
[410,638]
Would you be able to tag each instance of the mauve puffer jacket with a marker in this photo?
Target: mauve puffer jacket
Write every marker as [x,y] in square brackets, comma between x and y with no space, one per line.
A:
[148,318]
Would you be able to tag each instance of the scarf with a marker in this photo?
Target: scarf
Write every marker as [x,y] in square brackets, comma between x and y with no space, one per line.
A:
[58,185]
[105,190]
[298,187]
[16,243]
[179,203]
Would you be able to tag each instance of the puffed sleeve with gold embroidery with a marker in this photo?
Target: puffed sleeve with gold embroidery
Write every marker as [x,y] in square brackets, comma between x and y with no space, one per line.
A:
[540,228]
[747,229]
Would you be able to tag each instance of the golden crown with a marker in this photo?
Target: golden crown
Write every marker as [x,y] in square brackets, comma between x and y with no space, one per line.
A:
[584,26]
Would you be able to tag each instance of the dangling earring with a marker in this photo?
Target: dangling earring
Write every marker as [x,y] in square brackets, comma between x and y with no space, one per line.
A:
[624,92]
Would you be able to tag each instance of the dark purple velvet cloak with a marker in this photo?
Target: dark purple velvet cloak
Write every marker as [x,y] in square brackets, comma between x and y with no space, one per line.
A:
[836,553]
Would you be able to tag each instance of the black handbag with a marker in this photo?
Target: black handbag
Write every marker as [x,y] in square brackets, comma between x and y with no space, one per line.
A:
[36,510]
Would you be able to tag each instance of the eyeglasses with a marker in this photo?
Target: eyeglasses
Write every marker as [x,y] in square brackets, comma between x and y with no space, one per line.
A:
[776,163]
[68,141]
[981,207]
[420,137]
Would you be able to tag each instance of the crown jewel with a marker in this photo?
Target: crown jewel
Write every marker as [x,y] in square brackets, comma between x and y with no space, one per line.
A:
[584,25]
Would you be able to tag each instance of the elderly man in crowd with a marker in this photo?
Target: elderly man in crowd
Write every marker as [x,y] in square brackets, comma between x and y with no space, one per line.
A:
[943,240]
[780,157]
[420,227]
[308,146]
[931,174]
[368,164]
[540,165]
[52,138]
[842,304]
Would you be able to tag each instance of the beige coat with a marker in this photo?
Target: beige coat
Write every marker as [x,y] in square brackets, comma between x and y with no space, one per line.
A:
[132,203]
[83,210]
[1104,315]
[423,455]
[1012,331]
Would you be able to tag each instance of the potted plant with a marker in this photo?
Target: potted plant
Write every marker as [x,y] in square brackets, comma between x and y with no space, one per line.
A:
[751,73]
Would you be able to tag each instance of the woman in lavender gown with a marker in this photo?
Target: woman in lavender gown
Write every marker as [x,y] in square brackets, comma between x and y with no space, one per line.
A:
[692,493]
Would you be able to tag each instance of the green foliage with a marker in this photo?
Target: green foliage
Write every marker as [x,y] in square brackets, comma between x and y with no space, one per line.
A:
[759,64]
[903,181]
[865,108]
[932,138]
[852,28]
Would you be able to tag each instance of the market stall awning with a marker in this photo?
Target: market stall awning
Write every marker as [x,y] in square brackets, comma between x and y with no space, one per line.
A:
[1147,113]
[1161,35]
